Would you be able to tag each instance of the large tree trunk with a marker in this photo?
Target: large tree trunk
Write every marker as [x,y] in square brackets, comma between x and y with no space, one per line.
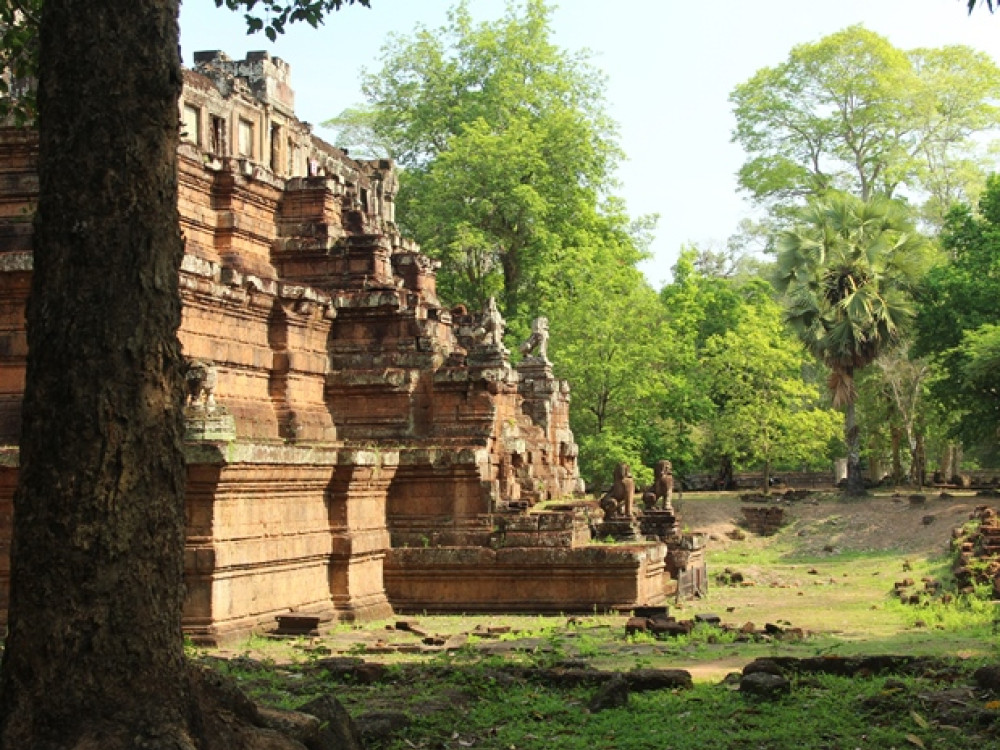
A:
[94,655]
[852,437]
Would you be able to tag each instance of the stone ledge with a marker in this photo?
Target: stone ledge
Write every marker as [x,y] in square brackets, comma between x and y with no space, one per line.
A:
[267,453]
[15,262]
[259,453]
[10,456]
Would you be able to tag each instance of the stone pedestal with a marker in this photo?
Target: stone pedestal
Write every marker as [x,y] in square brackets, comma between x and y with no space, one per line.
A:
[213,424]
[661,524]
[686,564]
[539,388]
[623,529]
[278,529]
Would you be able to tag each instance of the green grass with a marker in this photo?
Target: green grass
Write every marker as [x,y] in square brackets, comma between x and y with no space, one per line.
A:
[483,706]
[842,598]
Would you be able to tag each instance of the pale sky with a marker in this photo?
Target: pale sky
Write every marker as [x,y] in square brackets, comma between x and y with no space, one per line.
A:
[670,65]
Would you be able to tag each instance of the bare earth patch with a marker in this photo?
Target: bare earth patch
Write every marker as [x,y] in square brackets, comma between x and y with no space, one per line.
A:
[878,523]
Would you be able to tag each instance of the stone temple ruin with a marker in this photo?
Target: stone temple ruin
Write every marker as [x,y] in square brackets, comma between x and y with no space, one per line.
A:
[353,446]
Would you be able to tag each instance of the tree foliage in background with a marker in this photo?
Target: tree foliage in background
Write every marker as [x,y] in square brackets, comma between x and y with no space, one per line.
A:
[853,113]
[904,380]
[505,147]
[848,270]
[607,341]
[18,59]
[766,413]
[698,304]
[978,359]
[958,299]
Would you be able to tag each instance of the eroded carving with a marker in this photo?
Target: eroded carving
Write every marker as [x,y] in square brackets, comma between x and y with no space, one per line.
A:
[201,377]
[662,490]
[491,326]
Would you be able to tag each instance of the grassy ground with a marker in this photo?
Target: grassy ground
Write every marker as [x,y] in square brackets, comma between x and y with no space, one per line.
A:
[830,572]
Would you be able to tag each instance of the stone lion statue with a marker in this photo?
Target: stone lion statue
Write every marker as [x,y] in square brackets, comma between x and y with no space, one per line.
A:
[618,501]
[663,483]
[539,339]
[491,326]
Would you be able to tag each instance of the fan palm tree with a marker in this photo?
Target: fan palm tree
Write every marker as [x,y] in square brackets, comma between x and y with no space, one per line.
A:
[847,271]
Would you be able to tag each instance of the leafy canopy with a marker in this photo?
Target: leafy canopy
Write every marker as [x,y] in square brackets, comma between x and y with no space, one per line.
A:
[19,21]
[853,113]
[957,312]
[766,414]
[848,271]
[505,145]
[271,16]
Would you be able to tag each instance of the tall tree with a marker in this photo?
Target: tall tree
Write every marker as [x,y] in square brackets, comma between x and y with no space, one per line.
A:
[766,413]
[904,380]
[606,339]
[979,358]
[94,653]
[696,306]
[98,515]
[504,141]
[848,270]
[854,113]
[958,298]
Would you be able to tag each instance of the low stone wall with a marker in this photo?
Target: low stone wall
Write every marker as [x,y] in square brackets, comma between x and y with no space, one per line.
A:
[764,520]
[530,580]
[541,530]
[754,480]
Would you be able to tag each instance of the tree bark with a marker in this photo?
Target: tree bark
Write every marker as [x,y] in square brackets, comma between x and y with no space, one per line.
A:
[918,463]
[852,437]
[897,461]
[945,464]
[94,655]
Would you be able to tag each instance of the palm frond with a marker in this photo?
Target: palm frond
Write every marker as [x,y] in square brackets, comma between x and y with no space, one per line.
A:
[846,273]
